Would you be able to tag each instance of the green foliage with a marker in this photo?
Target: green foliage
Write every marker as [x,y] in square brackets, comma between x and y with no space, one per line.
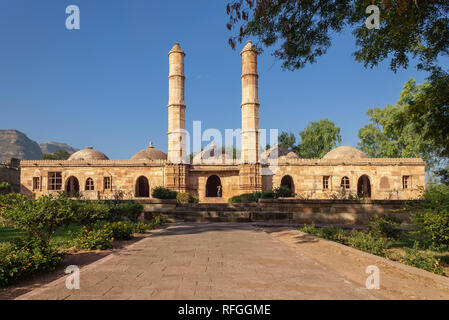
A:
[283,192]
[164,193]
[140,227]
[89,212]
[422,259]
[318,138]
[332,233]
[156,221]
[391,135]
[40,217]
[245,198]
[97,238]
[5,187]
[301,31]
[121,230]
[129,209]
[369,242]
[385,226]
[270,194]
[431,215]
[184,197]
[310,229]
[57,155]
[21,258]
[287,140]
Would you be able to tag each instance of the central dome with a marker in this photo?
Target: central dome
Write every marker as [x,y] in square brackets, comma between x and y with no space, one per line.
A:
[89,153]
[344,152]
[149,153]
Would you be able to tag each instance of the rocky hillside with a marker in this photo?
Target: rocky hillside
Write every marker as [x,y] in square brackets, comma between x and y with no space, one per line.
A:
[15,144]
[50,147]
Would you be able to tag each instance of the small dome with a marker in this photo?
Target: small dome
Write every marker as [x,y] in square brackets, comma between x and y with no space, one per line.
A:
[212,155]
[345,152]
[149,153]
[281,152]
[89,153]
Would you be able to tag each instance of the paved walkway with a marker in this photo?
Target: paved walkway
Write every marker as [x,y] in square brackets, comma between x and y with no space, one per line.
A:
[209,261]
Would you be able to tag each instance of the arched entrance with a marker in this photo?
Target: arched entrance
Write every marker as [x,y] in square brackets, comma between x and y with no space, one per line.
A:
[72,185]
[142,187]
[287,181]
[213,182]
[364,187]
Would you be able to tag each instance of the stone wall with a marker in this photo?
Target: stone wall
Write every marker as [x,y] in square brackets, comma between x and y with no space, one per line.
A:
[10,173]
[293,211]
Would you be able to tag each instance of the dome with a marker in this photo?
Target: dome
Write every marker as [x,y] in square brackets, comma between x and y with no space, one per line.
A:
[149,153]
[345,152]
[89,153]
[281,152]
[212,155]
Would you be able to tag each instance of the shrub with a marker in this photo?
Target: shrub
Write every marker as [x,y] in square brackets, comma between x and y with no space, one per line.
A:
[40,217]
[140,227]
[422,259]
[312,230]
[163,193]
[129,209]
[283,192]
[245,198]
[333,233]
[369,242]
[431,216]
[121,230]
[90,239]
[268,195]
[21,258]
[156,221]
[184,197]
[385,226]
[89,212]
[5,188]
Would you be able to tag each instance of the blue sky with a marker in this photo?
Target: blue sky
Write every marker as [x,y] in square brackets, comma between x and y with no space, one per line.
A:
[106,84]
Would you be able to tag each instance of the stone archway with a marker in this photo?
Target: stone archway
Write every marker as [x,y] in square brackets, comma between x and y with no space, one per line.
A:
[212,184]
[142,187]
[364,187]
[287,181]
[72,185]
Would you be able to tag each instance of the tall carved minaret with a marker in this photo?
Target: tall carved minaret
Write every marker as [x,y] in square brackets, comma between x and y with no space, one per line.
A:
[176,172]
[250,105]
[250,179]
[176,106]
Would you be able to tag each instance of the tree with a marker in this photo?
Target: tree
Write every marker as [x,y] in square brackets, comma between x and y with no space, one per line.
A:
[391,135]
[57,155]
[40,217]
[318,138]
[287,140]
[301,30]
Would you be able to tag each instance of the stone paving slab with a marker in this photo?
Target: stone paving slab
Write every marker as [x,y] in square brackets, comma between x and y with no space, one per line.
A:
[208,261]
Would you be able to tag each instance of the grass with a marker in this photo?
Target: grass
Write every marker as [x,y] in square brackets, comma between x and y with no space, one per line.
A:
[393,249]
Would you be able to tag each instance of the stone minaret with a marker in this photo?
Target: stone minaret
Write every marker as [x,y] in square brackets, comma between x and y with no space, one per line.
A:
[250,105]
[176,106]
[250,179]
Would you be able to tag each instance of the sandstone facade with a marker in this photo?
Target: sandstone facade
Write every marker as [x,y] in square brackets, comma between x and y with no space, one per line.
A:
[344,173]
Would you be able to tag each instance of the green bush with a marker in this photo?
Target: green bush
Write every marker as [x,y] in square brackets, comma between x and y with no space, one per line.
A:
[5,187]
[140,227]
[283,192]
[184,197]
[89,212]
[385,226]
[129,209]
[368,242]
[422,259]
[40,217]
[156,221]
[24,257]
[163,193]
[431,215]
[245,198]
[332,233]
[121,230]
[311,229]
[98,238]
[270,194]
